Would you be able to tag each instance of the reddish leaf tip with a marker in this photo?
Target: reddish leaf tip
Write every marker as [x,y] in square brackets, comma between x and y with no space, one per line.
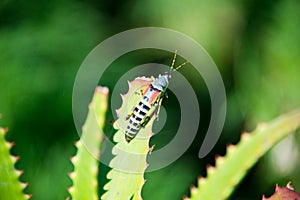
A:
[283,193]
[289,186]
[11,144]
[5,130]
[24,185]
[28,196]
[70,189]
[185,198]
[150,149]
[71,174]
[103,90]
[16,158]
[230,148]
[261,126]
[245,136]
[144,181]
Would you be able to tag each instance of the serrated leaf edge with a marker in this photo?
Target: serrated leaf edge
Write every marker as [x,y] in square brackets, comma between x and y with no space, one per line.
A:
[292,118]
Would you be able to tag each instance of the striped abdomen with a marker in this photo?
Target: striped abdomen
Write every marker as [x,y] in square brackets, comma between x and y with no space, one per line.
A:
[136,120]
[141,112]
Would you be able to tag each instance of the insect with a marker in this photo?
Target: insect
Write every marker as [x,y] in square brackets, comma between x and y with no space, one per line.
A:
[150,102]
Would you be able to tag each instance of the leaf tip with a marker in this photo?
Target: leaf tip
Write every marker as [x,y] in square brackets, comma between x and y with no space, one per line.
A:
[211,170]
[71,190]
[261,126]
[230,148]
[10,144]
[24,185]
[219,160]
[5,130]
[201,180]
[74,159]
[144,181]
[150,149]
[289,186]
[245,136]
[118,112]
[185,198]
[193,190]
[102,90]
[71,175]
[28,196]
[19,172]
[15,158]
[77,144]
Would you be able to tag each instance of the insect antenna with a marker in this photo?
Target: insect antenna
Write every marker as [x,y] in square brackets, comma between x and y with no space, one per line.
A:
[173,61]
[186,62]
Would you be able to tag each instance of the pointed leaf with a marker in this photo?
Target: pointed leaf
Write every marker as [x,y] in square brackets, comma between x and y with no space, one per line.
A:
[129,164]
[86,166]
[230,169]
[10,186]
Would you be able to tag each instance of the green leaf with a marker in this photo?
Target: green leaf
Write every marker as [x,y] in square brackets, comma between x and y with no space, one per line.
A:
[85,173]
[230,170]
[129,164]
[10,186]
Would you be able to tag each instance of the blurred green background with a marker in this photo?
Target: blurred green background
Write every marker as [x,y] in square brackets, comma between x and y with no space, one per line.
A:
[255,45]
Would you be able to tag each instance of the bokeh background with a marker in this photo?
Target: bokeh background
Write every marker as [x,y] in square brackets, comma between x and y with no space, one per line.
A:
[255,45]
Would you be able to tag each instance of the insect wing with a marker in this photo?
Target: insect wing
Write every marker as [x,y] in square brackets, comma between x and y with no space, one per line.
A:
[154,96]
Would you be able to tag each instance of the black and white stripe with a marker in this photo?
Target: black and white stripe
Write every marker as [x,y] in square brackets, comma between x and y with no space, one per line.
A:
[137,118]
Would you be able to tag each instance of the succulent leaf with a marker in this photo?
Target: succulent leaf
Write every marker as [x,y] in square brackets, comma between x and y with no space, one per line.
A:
[85,164]
[129,164]
[230,169]
[10,186]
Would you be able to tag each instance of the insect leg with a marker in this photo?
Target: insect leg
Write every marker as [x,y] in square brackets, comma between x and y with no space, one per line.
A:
[150,115]
[128,116]
[141,92]
[158,108]
[166,95]
[147,119]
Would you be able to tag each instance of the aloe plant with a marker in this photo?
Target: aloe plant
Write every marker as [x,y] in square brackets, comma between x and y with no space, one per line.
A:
[86,166]
[10,186]
[129,164]
[231,168]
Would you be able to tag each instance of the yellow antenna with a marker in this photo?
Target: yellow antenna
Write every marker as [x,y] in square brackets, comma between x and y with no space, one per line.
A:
[186,62]
[173,62]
